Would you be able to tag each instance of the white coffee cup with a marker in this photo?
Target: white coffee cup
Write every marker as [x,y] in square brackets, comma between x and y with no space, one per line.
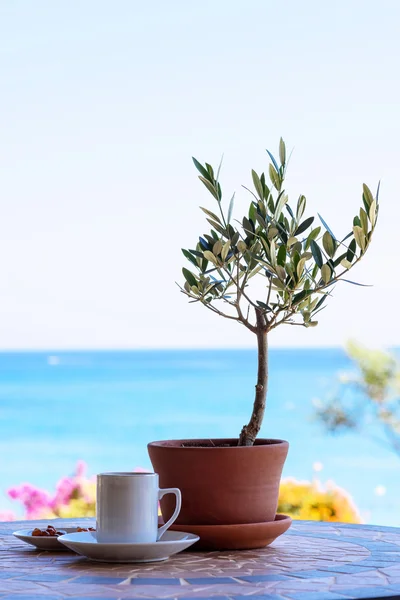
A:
[127,508]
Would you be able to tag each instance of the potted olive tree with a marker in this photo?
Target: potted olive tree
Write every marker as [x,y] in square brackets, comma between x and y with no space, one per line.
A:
[274,267]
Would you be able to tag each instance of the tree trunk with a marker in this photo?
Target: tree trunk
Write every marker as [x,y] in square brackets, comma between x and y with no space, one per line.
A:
[250,431]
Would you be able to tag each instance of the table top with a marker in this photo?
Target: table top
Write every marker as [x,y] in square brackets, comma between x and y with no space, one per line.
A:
[312,561]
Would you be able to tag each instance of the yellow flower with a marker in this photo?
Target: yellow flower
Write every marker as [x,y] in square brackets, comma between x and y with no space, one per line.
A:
[314,502]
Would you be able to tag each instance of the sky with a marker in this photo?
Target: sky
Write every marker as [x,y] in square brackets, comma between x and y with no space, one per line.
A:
[102,105]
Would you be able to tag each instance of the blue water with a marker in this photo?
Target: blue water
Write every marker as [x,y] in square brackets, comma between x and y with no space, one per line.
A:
[104,407]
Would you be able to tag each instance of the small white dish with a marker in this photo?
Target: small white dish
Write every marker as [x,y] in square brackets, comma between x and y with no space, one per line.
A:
[171,542]
[46,542]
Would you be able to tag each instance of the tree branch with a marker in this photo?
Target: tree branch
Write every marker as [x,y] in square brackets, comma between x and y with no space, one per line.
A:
[250,431]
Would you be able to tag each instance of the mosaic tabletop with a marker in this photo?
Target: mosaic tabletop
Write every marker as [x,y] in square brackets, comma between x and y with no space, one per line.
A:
[312,561]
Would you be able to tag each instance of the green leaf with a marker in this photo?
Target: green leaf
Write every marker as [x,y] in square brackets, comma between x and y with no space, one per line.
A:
[230,209]
[211,214]
[196,252]
[355,283]
[359,237]
[273,175]
[351,251]
[267,191]
[312,323]
[210,187]
[329,244]
[300,267]
[248,227]
[316,252]
[210,256]
[367,195]
[279,206]
[372,213]
[339,259]
[266,246]
[261,221]
[312,236]
[356,221]
[272,249]
[289,210]
[217,247]
[225,250]
[235,238]
[282,151]
[292,240]
[321,301]
[210,171]
[278,283]
[301,207]
[281,257]
[300,296]
[364,220]
[326,273]
[347,236]
[297,247]
[190,278]
[257,184]
[295,258]
[281,272]
[263,305]
[201,169]
[241,246]
[189,256]
[377,192]
[271,205]
[262,210]
[219,167]
[304,225]
[218,227]
[325,224]
[273,160]
[345,263]
[252,212]
[255,270]
[272,232]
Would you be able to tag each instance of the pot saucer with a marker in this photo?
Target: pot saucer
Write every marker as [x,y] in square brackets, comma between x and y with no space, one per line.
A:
[85,543]
[237,537]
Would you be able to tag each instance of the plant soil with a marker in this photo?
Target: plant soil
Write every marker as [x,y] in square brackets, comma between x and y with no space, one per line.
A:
[212,444]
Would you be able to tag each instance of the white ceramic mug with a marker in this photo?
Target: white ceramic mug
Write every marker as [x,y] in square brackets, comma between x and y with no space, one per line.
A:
[127,508]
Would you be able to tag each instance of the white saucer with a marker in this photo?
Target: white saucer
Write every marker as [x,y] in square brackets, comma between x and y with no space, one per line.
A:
[43,543]
[85,543]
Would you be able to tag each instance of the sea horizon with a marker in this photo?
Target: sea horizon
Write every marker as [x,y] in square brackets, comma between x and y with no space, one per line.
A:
[103,406]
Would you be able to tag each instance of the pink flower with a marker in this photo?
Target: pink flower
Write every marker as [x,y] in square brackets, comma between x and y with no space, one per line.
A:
[66,488]
[35,501]
[13,493]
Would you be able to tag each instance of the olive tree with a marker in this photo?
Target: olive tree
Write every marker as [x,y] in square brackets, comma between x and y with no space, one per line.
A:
[296,261]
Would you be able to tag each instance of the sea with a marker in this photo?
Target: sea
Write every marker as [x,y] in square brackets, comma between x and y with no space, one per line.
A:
[103,407]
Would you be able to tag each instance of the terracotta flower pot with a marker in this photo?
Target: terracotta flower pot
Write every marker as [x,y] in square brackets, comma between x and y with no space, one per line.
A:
[221,483]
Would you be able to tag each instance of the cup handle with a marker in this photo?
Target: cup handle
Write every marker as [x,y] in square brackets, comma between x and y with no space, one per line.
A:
[177,510]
